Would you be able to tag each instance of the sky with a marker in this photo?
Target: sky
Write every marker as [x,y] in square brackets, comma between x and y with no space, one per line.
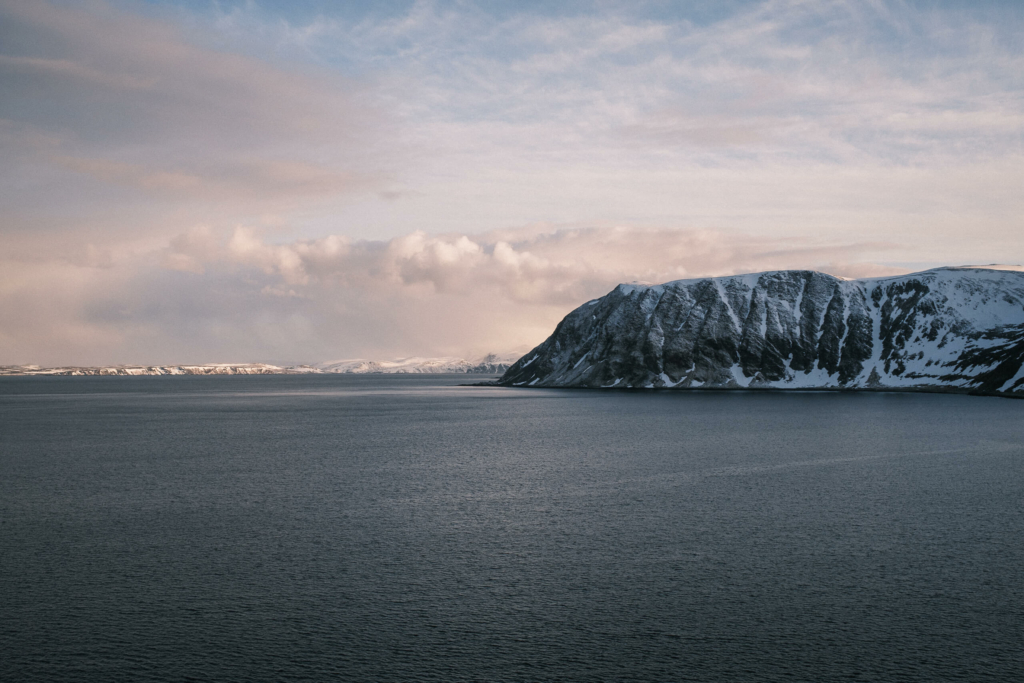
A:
[191,182]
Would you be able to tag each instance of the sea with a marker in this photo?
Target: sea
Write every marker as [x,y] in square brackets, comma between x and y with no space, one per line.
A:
[408,528]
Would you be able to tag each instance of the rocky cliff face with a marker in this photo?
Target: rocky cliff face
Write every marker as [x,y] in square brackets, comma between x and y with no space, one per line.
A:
[958,329]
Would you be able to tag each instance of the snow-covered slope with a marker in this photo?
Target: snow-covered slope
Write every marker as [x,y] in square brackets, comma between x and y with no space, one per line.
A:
[958,329]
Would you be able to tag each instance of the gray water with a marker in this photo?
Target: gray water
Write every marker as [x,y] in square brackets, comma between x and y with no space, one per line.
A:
[383,528]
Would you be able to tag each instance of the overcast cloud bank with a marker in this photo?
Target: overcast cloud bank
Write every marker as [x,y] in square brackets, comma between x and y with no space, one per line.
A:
[237,296]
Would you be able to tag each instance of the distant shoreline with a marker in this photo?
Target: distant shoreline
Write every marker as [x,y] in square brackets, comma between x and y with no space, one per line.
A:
[286,371]
[410,366]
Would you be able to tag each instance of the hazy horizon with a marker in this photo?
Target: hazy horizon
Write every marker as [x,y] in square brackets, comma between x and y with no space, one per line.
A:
[191,182]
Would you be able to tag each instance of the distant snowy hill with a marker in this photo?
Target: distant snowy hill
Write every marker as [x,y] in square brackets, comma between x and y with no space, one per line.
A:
[491,364]
[214,369]
[956,329]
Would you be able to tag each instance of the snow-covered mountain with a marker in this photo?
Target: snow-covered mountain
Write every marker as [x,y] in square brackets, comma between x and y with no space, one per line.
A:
[954,329]
[489,364]
[214,369]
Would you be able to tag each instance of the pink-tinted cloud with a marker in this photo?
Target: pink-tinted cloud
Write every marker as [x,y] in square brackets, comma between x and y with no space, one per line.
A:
[208,296]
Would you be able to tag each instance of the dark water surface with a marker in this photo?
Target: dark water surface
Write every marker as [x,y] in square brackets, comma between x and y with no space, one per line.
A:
[376,528]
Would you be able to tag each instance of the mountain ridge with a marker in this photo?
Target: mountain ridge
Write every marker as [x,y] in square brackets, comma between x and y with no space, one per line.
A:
[945,329]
